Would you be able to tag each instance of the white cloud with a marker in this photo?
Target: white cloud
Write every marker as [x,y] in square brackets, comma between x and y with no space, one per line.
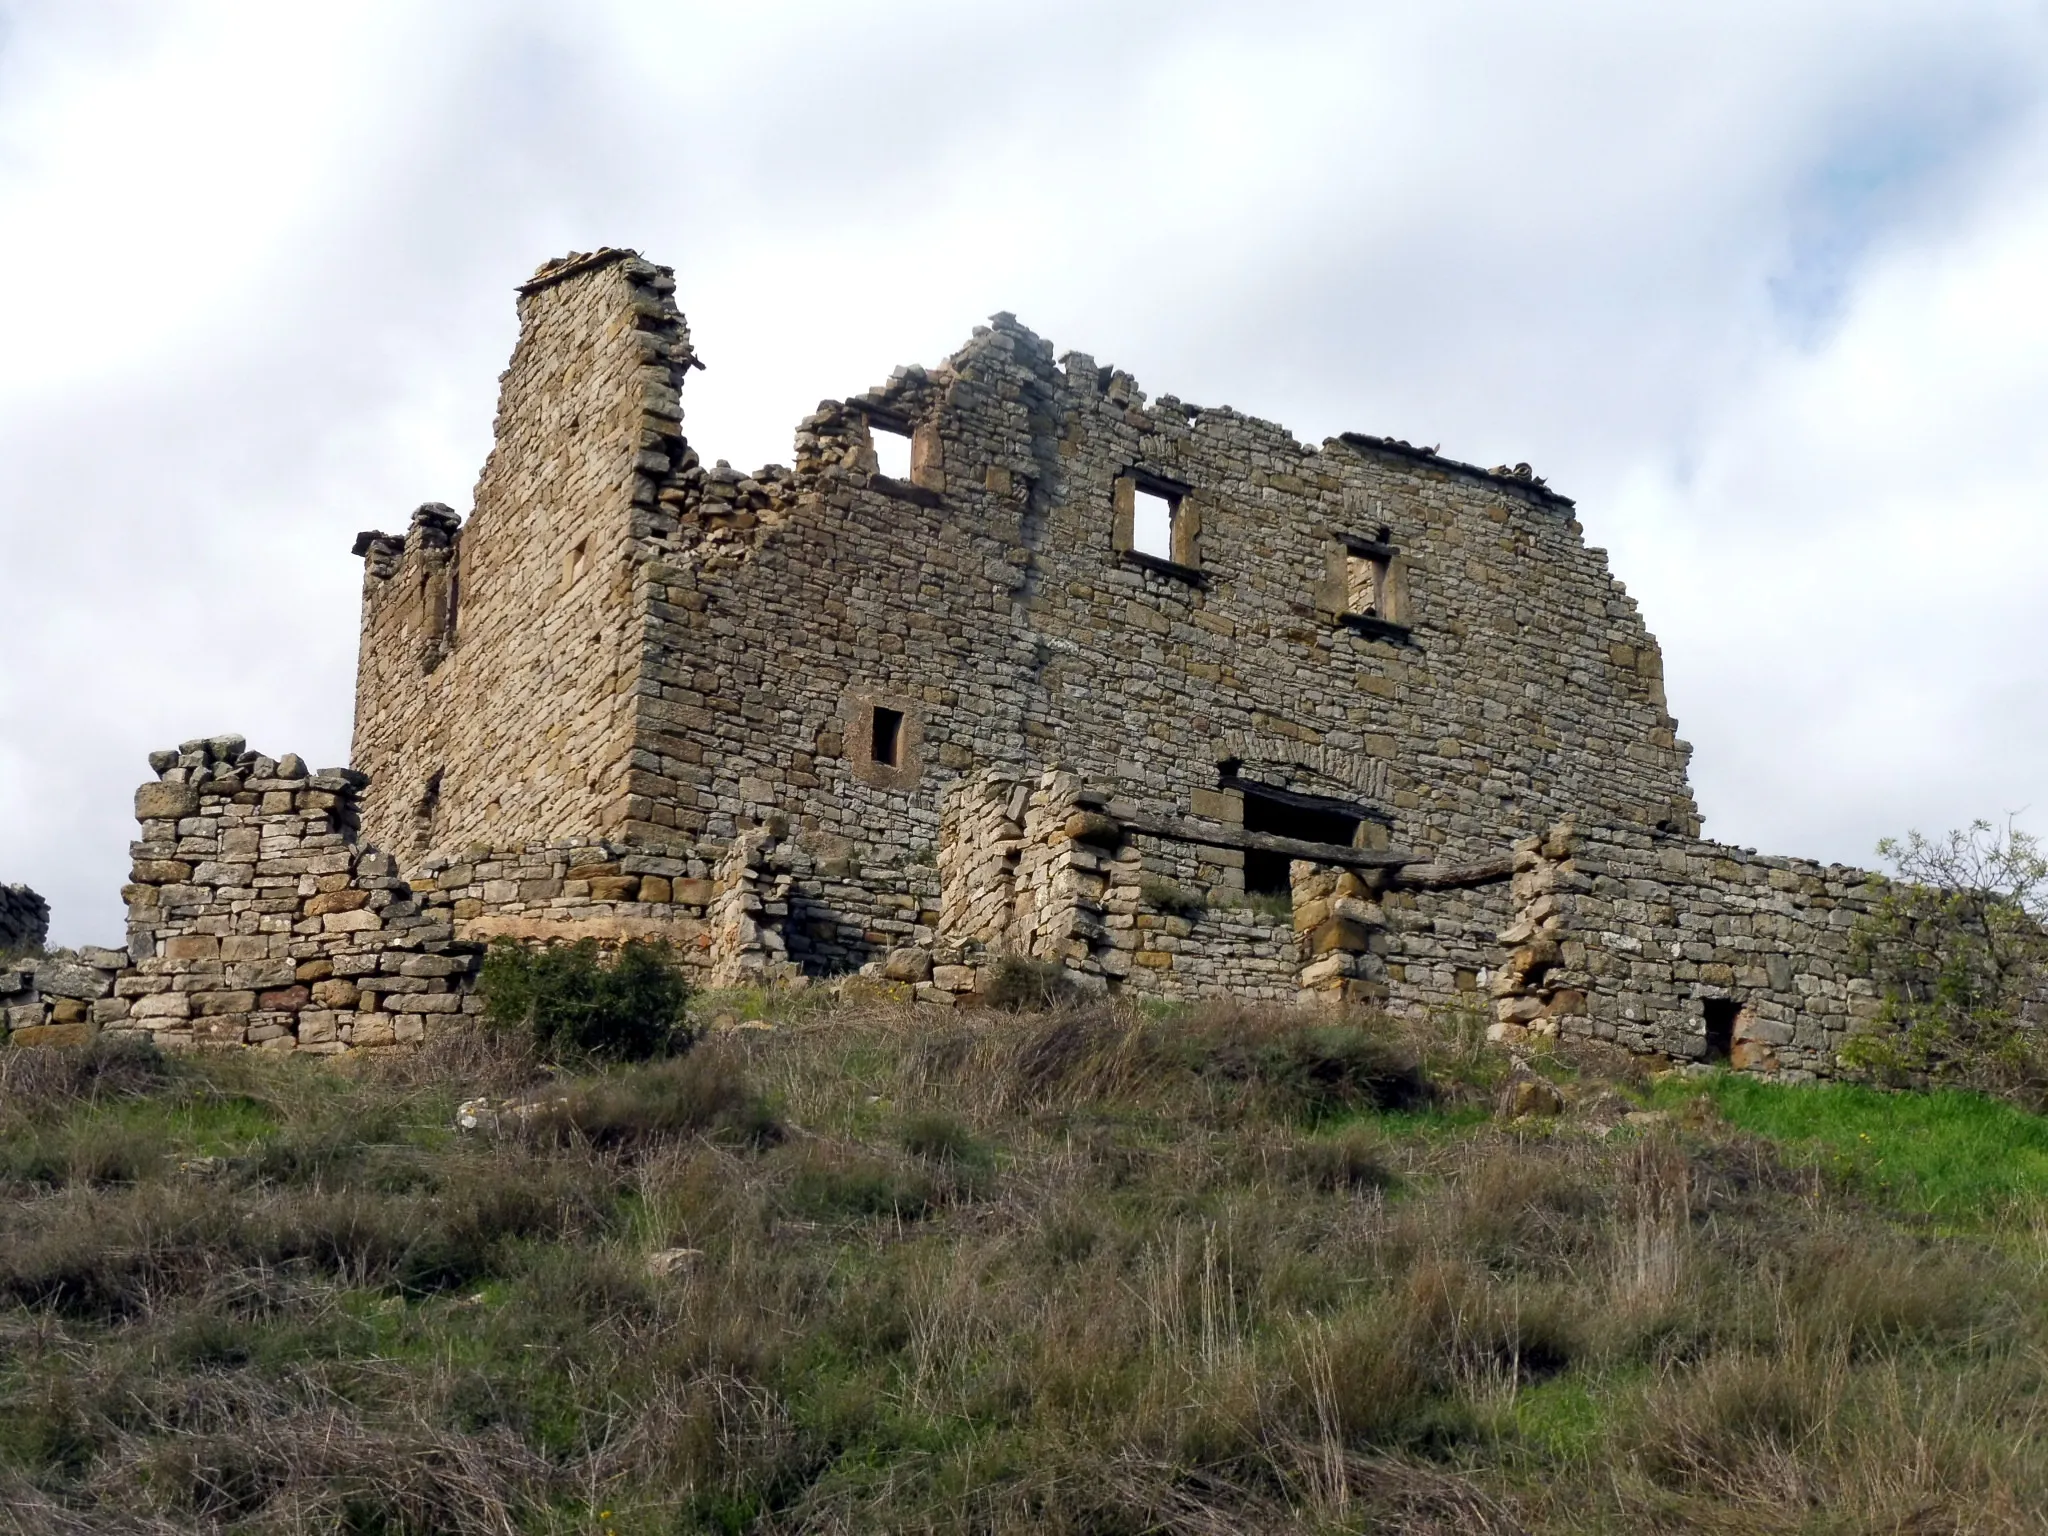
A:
[1752,281]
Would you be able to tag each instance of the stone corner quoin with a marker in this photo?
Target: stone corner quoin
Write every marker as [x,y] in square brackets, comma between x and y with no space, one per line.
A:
[1144,689]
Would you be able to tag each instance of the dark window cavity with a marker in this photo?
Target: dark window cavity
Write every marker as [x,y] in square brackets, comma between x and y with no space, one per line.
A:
[1265,873]
[885,743]
[1721,1012]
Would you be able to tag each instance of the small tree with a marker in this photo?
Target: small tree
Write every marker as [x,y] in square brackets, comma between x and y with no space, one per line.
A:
[1957,947]
[579,1008]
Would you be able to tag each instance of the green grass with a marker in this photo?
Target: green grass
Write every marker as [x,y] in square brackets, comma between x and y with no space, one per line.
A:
[1098,1271]
[1953,1154]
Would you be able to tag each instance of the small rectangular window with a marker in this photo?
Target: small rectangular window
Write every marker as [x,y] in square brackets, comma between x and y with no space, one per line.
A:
[885,744]
[575,563]
[1152,515]
[892,452]
[1366,585]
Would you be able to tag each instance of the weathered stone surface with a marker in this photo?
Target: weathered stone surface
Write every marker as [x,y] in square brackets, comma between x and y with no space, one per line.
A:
[907,964]
[165,802]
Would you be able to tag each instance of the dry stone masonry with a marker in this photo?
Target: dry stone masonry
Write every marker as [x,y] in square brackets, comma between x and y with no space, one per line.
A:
[1147,689]
[24,920]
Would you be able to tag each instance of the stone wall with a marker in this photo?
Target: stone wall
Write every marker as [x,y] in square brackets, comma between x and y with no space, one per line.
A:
[24,920]
[257,917]
[1632,938]
[57,999]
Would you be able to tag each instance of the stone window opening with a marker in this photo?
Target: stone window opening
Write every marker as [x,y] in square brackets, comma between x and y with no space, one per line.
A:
[1156,524]
[892,447]
[1721,1013]
[576,562]
[427,811]
[1367,585]
[884,741]
[1152,515]
[885,737]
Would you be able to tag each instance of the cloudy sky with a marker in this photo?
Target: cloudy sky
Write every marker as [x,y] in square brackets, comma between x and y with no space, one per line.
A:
[1763,285]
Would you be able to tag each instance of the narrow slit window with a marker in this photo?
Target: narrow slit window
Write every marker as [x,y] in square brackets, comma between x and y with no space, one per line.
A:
[1152,515]
[892,452]
[575,563]
[885,743]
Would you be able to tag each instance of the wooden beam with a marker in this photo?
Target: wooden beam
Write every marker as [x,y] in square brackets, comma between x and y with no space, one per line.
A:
[1444,877]
[1214,834]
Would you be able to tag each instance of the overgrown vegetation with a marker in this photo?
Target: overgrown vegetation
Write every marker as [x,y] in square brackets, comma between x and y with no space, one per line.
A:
[1087,1270]
[1957,947]
[576,1006]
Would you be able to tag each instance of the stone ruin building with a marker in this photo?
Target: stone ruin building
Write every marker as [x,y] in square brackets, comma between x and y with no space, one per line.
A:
[1012,661]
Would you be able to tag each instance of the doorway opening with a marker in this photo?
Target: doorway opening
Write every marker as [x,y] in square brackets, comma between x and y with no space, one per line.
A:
[1721,1013]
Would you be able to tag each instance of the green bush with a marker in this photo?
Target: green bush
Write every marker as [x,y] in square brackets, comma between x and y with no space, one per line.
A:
[1021,983]
[576,1007]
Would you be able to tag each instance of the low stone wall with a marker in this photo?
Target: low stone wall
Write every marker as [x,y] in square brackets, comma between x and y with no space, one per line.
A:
[1631,938]
[255,918]
[24,920]
[58,999]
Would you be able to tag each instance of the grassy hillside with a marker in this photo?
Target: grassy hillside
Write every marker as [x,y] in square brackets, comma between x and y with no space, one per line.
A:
[1094,1272]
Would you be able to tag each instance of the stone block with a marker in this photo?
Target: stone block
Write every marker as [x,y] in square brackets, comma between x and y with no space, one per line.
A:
[76,1033]
[65,978]
[165,802]
[325,902]
[192,946]
[907,965]
[333,994]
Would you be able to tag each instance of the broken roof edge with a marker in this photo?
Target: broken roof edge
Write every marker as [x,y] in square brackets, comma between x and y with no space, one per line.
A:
[557,268]
[1399,449]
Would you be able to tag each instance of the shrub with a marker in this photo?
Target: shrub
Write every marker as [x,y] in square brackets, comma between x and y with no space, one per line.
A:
[578,1008]
[1352,1159]
[1021,983]
[833,1184]
[1306,1068]
[1958,949]
[106,1067]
